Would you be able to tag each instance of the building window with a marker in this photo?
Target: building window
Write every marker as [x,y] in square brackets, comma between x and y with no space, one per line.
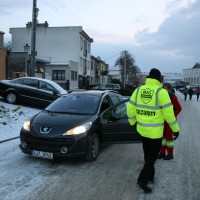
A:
[88,48]
[88,64]
[85,48]
[92,65]
[58,75]
[81,62]
[74,75]
[84,66]
[81,43]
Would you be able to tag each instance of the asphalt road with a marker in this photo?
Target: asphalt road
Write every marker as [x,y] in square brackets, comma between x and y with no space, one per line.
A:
[112,176]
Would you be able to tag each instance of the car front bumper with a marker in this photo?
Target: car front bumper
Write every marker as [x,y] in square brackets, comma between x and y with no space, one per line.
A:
[75,146]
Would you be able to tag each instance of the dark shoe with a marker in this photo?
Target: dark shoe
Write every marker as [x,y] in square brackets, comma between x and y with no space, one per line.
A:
[144,187]
[168,157]
[161,155]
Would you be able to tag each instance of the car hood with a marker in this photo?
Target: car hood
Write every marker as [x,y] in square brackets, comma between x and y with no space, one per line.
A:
[61,119]
[56,123]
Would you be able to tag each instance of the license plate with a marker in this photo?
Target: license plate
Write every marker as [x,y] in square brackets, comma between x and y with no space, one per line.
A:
[42,154]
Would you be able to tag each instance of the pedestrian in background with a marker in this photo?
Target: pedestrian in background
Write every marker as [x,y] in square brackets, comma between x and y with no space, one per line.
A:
[197,92]
[167,147]
[149,106]
[190,92]
[185,92]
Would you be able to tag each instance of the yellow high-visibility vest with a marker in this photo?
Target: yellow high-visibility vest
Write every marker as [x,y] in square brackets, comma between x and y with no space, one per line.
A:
[150,106]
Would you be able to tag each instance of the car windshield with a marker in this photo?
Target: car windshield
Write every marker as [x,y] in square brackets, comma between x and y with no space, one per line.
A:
[76,104]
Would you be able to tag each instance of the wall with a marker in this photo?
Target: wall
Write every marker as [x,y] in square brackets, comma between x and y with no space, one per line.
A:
[3,54]
[17,62]
[192,76]
[58,44]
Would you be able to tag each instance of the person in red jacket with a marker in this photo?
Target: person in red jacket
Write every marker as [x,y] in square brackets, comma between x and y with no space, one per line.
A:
[198,92]
[167,146]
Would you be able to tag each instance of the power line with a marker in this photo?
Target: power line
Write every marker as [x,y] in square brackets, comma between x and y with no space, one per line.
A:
[58,6]
[112,56]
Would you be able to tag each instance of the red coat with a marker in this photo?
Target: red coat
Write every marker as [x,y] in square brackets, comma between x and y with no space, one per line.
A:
[177,109]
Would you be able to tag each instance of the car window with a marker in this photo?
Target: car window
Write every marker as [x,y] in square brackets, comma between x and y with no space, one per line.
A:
[76,103]
[30,83]
[105,104]
[115,99]
[46,86]
[117,111]
[18,81]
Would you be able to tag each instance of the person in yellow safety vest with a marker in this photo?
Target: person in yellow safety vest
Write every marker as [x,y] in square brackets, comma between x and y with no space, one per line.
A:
[148,107]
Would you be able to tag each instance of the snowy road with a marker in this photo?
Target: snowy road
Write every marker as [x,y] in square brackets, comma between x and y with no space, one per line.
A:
[112,176]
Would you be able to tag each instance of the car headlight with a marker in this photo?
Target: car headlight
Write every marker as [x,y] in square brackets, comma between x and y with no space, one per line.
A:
[26,126]
[79,129]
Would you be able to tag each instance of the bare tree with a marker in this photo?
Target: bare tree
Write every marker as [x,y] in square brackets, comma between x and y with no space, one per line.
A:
[8,45]
[127,62]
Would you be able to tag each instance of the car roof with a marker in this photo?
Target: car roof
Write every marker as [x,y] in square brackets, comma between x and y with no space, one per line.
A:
[95,92]
[56,85]
[36,78]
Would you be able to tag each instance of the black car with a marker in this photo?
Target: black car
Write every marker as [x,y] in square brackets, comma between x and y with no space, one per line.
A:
[76,125]
[31,90]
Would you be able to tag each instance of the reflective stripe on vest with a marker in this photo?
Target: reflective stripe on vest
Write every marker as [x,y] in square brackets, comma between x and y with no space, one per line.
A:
[156,107]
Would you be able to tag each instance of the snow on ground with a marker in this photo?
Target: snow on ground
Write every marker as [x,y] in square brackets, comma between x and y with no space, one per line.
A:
[12,118]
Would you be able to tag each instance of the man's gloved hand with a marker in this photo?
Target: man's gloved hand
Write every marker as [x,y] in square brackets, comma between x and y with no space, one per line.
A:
[176,135]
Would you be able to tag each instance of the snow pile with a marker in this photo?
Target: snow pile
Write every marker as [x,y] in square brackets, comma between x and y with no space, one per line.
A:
[9,116]
[12,118]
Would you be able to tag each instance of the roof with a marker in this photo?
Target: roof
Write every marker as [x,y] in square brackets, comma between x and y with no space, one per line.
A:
[95,92]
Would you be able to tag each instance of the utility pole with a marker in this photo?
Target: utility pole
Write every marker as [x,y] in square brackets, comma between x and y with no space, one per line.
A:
[124,81]
[33,38]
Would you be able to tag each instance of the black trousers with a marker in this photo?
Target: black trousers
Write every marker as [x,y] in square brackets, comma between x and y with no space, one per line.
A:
[197,97]
[151,148]
[185,97]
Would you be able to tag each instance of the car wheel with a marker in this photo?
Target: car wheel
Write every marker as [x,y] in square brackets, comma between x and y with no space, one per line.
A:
[11,97]
[93,147]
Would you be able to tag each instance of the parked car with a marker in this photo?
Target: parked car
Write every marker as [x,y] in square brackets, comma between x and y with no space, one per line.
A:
[31,90]
[76,125]
[108,86]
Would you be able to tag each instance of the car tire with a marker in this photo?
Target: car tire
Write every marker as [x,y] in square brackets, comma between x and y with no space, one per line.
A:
[11,97]
[93,147]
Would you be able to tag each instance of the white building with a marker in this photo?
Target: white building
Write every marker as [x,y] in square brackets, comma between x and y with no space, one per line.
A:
[70,46]
[192,76]
[169,77]
[115,73]
[166,76]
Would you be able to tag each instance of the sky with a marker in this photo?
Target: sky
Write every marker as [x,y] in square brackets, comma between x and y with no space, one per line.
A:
[162,34]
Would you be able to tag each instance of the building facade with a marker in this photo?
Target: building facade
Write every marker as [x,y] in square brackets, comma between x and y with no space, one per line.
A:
[192,75]
[58,45]
[169,77]
[100,69]
[3,57]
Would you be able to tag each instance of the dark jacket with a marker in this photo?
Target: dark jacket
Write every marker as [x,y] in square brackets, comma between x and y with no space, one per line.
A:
[190,91]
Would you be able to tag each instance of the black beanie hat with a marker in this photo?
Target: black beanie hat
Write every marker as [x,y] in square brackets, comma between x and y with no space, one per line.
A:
[155,73]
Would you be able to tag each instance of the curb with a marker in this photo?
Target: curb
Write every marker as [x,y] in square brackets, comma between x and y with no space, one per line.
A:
[9,139]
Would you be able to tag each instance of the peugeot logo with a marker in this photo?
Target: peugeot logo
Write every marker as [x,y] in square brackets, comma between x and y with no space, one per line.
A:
[45,130]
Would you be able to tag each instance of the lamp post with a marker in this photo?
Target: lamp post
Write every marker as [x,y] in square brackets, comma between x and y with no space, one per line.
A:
[124,81]
[33,38]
